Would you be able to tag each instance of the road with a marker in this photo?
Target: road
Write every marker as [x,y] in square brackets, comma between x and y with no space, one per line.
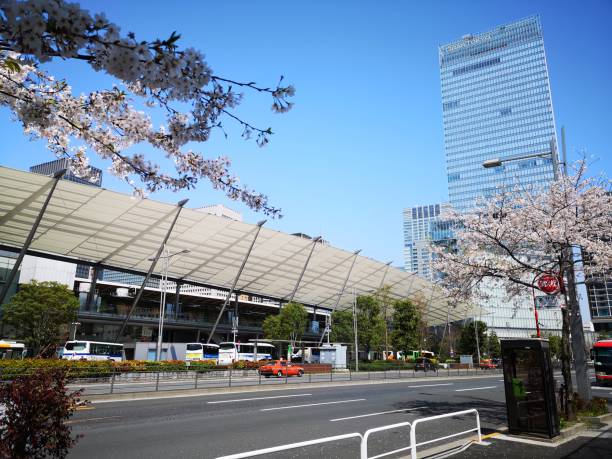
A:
[215,425]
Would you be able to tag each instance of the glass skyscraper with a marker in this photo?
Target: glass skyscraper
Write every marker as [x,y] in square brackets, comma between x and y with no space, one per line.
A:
[496,103]
[423,227]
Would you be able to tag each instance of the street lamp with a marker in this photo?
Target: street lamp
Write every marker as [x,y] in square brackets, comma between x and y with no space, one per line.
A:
[162,301]
[552,153]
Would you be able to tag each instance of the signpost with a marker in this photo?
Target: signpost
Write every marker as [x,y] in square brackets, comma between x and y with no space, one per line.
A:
[548,283]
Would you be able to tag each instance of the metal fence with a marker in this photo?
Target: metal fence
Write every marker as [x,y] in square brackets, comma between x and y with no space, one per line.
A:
[102,381]
[363,449]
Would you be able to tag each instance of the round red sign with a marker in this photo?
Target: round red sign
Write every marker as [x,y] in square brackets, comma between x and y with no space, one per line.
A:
[549,284]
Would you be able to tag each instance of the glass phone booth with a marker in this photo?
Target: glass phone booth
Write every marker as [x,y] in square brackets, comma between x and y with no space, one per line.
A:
[529,387]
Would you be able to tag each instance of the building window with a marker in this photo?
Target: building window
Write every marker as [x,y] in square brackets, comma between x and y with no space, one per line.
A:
[505,111]
[476,66]
[453,177]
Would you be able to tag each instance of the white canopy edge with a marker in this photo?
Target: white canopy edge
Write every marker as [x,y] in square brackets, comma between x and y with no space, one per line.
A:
[96,225]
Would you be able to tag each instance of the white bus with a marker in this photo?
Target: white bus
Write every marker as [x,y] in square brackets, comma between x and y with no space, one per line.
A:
[93,350]
[199,351]
[11,350]
[232,352]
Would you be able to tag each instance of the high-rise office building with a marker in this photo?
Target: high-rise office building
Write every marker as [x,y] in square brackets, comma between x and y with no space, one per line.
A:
[496,103]
[57,165]
[423,227]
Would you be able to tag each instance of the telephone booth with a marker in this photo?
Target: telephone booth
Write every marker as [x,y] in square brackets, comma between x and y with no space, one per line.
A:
[529,386]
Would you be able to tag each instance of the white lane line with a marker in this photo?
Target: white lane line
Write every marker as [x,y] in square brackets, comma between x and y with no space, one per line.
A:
[600,388]
[312,404]
[430,385]
[373,414]
[257,398]
[475,388]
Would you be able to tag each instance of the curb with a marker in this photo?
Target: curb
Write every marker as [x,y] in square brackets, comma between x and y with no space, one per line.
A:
[180,393]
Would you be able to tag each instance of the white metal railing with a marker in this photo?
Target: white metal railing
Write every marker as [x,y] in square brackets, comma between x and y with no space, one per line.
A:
[364,439]
[414,444]
[276,449]
[364,442]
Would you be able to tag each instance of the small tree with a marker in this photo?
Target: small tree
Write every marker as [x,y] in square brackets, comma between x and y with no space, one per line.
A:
[494,345]
[370,323]
[467,340]
[554,344]
[39,312]
[34,422]
[342,327]
[406,326]
[289,324]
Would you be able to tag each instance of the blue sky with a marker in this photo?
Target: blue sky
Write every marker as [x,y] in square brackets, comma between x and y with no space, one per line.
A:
[365,138]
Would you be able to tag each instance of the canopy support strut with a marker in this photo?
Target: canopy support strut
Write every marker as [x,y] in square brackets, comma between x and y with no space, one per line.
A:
[229,294]
[297,284]
[328,321]
[26,245]
[179,206]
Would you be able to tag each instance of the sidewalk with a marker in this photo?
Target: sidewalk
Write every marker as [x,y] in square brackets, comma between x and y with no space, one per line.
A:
[589,444]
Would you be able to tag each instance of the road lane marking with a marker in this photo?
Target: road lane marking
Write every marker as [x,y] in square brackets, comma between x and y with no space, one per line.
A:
[600,388]
[257,398]
[430,385]
[75,421]
[494,434]
[373,414]
[475,388]
[85,408]
[312,404]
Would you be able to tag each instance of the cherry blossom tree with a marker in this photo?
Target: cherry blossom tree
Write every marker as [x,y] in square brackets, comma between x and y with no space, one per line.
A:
[522,232]
[155,75]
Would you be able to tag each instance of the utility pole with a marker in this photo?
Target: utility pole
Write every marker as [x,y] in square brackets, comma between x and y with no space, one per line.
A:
[355,330]
[571,301]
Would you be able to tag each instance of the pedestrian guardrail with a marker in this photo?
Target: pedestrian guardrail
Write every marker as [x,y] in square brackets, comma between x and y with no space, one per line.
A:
[101,381]
[363,450]
[302,444]
[366,436]
[413,443]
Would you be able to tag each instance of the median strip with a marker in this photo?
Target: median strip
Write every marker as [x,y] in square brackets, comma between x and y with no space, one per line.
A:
[312,404]
[475,388]
[257,398]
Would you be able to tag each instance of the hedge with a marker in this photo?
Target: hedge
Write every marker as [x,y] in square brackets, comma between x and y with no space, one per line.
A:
[104,368]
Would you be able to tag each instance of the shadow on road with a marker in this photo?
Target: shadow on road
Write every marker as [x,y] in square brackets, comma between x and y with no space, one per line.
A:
[490,412]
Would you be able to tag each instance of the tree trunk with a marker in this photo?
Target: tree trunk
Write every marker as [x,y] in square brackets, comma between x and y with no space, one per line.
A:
[567,394]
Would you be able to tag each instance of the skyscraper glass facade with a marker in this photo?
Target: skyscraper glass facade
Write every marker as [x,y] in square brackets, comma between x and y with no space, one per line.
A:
[496,103]
[423,227]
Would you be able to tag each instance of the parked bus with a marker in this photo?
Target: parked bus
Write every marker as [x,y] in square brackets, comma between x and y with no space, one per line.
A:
[231,352]
[93,350]
[199,351]
[602,356]
[11,350]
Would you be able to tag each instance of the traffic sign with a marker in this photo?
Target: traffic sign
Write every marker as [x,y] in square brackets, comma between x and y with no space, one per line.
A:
[549,283]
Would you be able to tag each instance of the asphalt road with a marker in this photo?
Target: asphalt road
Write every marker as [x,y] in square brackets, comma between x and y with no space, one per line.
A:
[217,425]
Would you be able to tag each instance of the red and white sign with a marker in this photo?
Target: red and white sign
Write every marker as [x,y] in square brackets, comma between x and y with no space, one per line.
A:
[549,283]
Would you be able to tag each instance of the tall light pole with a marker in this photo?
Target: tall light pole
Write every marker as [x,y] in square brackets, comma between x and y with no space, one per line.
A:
[162,297]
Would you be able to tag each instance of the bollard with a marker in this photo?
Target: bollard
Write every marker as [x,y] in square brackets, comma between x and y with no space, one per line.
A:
[259,373]
[157,382]
[369,376]
[350,375]
[331,375]
[309,377]
[112,381]
[230,375]
[196,380]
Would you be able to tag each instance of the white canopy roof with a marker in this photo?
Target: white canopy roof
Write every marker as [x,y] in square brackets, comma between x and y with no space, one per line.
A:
[86,223]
